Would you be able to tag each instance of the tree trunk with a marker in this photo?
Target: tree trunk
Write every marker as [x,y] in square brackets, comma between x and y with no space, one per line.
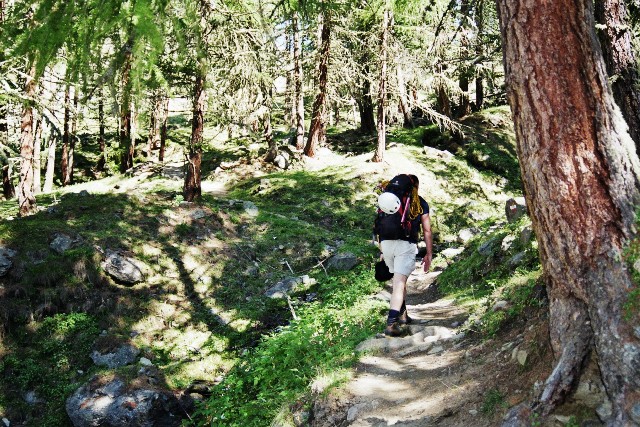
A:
[101,137]
[443,101]
[37,184]
[297,82]
[26,198]
[404,99]
[163,127]
[464,107]
[155,120]
[615,40]
[64,156]
[51,160]
[74,137]
[365,105]
[316,128]
[378,156]
[580,174]
[192,178]
[479,52]
[126,142]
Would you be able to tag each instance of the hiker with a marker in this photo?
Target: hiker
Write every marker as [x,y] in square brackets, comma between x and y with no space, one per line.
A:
[401,214]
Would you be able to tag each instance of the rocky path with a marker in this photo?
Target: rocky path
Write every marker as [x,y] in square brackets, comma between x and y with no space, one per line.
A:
[427,377]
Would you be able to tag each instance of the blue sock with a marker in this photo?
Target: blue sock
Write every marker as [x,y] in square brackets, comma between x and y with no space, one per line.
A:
[393,316]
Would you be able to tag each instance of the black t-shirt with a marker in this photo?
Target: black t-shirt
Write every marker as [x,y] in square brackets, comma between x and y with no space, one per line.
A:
[416,223]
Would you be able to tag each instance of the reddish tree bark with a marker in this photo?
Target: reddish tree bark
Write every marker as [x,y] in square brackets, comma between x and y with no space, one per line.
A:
[192,179]
[26,198]
[163,128]
[581,179]
[317,118]
[622,67]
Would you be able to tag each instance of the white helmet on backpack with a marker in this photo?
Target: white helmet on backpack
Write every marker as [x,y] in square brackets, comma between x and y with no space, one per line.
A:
[388,203]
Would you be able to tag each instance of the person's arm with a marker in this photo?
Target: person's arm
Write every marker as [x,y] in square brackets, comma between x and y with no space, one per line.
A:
[426,231]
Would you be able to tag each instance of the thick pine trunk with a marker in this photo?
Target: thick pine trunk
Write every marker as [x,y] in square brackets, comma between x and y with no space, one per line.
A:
[479,18]
[66,138]
[126,142]
[26,198]
[316,128]
[155,119]
[580,173]
[404,99]
[378,156]
[622,67]
[365,106]
[192,178]
[297,83]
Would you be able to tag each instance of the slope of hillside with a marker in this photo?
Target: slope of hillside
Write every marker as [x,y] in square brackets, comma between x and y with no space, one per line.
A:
[199,315]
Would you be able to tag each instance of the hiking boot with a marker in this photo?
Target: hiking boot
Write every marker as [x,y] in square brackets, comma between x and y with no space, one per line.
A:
[404,319]
[393,330]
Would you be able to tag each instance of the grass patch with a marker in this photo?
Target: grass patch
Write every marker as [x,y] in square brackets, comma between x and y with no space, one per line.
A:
[493,400]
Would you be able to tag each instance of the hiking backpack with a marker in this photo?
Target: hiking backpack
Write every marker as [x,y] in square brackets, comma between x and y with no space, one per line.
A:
[396,226]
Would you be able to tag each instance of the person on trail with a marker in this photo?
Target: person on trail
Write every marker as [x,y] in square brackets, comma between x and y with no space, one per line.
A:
[399,250]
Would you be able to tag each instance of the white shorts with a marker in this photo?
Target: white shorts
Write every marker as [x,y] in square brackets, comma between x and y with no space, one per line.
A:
[399,255]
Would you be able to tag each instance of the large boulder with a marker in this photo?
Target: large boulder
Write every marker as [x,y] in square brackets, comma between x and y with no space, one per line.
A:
[6,262]
[111,403]
[344,262]
[123,268]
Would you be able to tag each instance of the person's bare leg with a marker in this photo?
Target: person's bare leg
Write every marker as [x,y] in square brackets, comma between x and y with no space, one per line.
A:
[399,291]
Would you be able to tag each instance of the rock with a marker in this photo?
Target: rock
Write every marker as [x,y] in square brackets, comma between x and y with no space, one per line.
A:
[500,306]
[635,413]
[123,268]
[32,398]
[464,236]
[123,355]
[198,214]
[342,262]
[488,248]
[515,209]
[436,350]
[516,260]
[525,236]
[6,422]
[605,410]
[61,243]
[522,356]
[113,404]
[84,193]
[6,261]
[145,362]
[636,331]
[590,392]
[281,161]
[283,287]
[451,252]
[250,209]
[507,242]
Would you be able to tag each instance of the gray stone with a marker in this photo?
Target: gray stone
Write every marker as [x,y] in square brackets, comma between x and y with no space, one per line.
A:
[516,260]
[464,236]
[281,161]
[198,214]
[84,193]
[605,410]
[635,413]
[283,287]
[342,262]
[250,209]
[6,422]
[515,209]
[507,242]
[124,355]
[113,404]
[451,252]
[636,331]
[489,247]
[500,306]
[145,362]
[590,393]
[61,243]
[525,236]
[32,398]
[522,356]
[6,261]
[123,268]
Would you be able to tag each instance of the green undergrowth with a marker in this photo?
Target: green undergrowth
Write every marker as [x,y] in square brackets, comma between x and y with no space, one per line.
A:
[281,368]
[500,264]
